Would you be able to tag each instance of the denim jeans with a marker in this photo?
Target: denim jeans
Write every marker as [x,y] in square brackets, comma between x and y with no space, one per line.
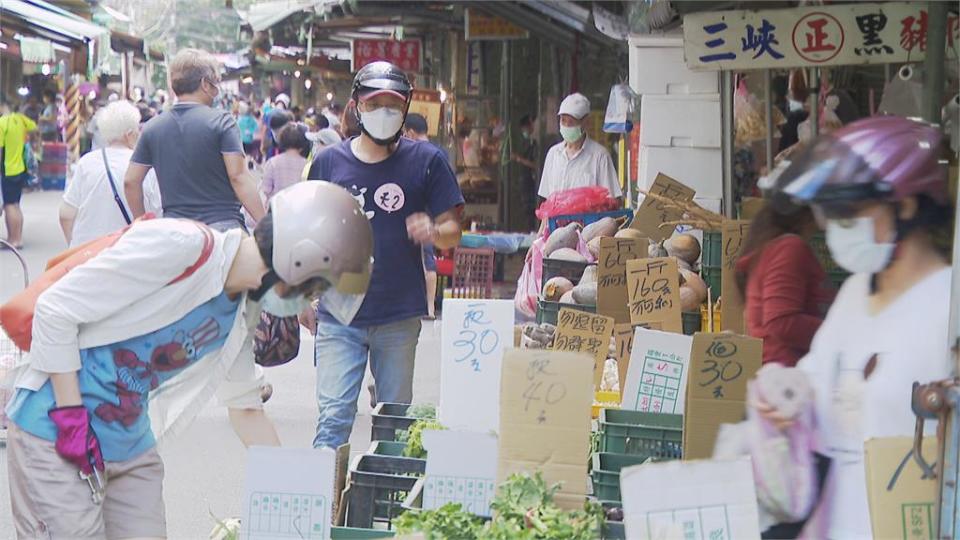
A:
[341,354]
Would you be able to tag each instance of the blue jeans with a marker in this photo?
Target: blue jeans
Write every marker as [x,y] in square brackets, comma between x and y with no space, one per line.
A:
[341,355]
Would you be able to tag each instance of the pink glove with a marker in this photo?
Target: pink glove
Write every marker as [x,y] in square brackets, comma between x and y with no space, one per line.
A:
[76,441]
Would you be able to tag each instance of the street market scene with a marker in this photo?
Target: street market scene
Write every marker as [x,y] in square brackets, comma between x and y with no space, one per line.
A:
[479,269]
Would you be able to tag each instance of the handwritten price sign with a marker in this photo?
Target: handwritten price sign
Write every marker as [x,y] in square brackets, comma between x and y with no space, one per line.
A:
[578,331]
[654,212]
[733,235]
[612,275]
[653,287]
[474,335]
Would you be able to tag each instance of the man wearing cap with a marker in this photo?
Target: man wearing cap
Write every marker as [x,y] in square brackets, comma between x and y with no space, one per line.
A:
[578,161]
[410,195]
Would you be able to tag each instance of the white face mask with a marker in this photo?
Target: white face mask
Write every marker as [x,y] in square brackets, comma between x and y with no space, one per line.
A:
[852,245]
[383,123]
[273,304]
[571,134]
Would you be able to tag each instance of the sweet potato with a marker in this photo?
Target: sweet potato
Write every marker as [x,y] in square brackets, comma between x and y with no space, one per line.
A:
[567,298]
[564,237]
[556,287]
[593,246]
[589,275]
[604,227]
[567,254]
[630,233]
[586,293]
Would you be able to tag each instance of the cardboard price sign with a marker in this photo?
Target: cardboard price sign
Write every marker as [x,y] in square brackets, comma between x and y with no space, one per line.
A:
[653,287]
[902,501]
[612,275]
[545,399]
[653,213]
[623,341]
[720,366]
[582,332]
[733,235]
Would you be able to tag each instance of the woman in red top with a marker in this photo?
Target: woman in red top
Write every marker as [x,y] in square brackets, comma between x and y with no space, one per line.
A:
[782,282]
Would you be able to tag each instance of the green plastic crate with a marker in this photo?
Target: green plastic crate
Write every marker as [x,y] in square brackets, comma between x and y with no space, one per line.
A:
[571,270]
[691,322]
[354,533]
[712,254]
[614,530]
[640,433]
[711,275]
[606,473]
[387,448]
[549,312]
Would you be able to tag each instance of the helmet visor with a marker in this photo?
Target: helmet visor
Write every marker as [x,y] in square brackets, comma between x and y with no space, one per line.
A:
[344,299]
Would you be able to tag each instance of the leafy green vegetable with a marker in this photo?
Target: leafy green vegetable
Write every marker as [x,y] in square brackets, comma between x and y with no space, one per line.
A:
[422,410]
[524,510]
[414,441]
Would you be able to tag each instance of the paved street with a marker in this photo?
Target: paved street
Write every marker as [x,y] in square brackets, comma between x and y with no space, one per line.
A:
[204,466]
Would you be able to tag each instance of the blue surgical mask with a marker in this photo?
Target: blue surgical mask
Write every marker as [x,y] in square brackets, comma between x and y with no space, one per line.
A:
[275,305]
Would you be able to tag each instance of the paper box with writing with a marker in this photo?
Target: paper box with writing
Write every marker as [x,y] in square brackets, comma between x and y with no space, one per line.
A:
[733,235]
[655,211]
[612,275]
[653,290]
[474,336]
[582,332]
[657,377]
[720,366]
[545,400]
[288,492]
[902,501]
[702,500]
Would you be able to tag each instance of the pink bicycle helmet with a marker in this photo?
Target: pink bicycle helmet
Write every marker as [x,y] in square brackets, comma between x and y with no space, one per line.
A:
[886,158]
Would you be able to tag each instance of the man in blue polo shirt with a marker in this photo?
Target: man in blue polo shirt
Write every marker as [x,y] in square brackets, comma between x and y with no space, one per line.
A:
[410,194]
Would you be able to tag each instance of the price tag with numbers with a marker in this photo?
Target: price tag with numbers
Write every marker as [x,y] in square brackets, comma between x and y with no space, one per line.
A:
[612,275]
[657,378]
[653,287]
[579,331]
[474,336]
[545,418]
[720,366]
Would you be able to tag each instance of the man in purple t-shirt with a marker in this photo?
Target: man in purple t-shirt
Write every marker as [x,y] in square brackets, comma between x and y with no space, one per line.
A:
[410,194]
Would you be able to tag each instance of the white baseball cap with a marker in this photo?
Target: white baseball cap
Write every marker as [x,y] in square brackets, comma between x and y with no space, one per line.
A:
[576,105]
[283,98]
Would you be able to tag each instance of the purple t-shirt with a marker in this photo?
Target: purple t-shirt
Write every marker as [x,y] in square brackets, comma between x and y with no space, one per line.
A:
[415,178]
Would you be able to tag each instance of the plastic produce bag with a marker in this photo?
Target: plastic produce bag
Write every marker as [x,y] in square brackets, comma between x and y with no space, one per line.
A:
[784,465]
[580,200]
[619,110]
[528,286]
[749,117]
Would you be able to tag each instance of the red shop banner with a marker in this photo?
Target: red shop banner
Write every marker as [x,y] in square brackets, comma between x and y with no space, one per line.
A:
[404,53]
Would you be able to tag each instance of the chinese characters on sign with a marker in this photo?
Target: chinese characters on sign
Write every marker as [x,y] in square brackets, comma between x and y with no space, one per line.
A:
[854,33]
[612,275]
[654,211]
[657,378]
[405,53]
[480,26]
[653,289]
[579,331]
[733,234]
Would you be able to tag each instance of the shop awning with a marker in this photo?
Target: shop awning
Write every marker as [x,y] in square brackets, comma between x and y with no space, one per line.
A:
[266,14]
[52,18]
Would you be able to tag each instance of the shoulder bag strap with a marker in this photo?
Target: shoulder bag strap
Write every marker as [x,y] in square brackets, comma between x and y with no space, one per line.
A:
[113,187]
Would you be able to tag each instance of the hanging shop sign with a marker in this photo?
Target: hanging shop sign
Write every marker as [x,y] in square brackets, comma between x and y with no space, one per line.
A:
[857,33]
[480,26]
[405,53]
[427,103]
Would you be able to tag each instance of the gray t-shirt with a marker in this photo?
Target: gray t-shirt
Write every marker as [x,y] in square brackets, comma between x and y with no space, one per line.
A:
[184,146]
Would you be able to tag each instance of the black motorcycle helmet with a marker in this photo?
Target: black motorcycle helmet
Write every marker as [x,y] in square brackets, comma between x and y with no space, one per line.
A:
[381,77]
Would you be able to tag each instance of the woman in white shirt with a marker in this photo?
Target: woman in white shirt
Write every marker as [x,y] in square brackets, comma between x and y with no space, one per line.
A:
[92,207]
[878,186]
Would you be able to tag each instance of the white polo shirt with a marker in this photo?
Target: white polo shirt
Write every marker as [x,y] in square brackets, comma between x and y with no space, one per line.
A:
[591,166]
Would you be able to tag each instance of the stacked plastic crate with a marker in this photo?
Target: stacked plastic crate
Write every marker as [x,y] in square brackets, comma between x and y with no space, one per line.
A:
[53,166]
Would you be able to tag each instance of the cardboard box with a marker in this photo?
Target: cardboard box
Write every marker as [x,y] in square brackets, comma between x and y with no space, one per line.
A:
[733,235]
[710,499]
[612,275]
[720,366]
[545,400]
[691,121]
[653,291]
[902,502]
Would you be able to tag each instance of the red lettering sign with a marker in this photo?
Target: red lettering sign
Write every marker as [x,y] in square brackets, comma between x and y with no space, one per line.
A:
[818,37]
[403,53]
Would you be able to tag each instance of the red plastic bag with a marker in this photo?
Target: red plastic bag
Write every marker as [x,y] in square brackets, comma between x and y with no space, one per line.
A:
[580,200]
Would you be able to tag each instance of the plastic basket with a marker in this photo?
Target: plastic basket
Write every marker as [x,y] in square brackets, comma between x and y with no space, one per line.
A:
[606,473]
[640,433]
[691,322]
[614,530]
[712,254]
[571,270]
[601,399]
[378,486]
[705,319]
[472,273]
[711,275]
[549,312]
[388,418]
[353,533]
[586,219]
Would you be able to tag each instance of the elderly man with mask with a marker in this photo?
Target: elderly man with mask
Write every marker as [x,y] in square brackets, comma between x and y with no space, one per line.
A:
[578,161]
